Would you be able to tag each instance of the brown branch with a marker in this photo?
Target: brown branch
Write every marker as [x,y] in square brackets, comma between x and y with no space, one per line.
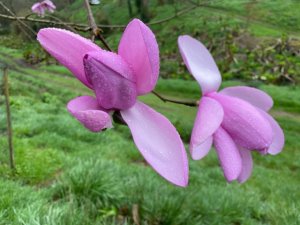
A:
[85,28]
[78,27]
[95,29]
[59,20]
[20,22]
[8,118]
[177,14]
[176,101]
[91,19]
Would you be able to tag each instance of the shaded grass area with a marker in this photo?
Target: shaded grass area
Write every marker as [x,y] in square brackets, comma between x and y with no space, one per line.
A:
[68,175]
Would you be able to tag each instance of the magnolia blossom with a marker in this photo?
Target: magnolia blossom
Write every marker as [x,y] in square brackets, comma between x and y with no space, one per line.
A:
[234,119]
[117,80]
[40,7]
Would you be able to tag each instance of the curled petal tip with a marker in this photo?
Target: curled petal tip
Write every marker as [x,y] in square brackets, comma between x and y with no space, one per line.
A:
[87,111]
[278,135]
[201,150]
[247,165]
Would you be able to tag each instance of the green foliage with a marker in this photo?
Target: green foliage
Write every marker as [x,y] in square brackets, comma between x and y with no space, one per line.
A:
[68,175]
[92,186]
[235,33]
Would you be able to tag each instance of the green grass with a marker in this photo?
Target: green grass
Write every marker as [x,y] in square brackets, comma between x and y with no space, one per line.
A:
[68,175]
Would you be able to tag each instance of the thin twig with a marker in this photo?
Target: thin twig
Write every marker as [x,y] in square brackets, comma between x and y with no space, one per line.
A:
[85,28]
[91,20]
[8,118]
[59,20]
[76,26]
[177,14]
[95,29]
[176,101]
[15,16]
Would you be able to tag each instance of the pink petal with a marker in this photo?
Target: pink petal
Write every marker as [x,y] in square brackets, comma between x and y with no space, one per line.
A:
[209,118]
[245,124]
[38,9]
[109,79]
[87,111]
[159,142]
[35,6]
[68,48]
[228,154]
[201,150]
[114,61]
[278,135]
[139,48]
[254,96]
[247,165]
[49,4]
[200,63]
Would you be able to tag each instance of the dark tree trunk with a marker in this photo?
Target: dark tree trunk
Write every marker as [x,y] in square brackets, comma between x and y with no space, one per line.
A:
[129,8]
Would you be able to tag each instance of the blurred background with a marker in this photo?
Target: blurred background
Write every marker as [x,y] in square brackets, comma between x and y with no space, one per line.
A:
[65,174]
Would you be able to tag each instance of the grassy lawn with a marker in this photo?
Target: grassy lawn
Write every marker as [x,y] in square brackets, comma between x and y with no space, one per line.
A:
[68,175]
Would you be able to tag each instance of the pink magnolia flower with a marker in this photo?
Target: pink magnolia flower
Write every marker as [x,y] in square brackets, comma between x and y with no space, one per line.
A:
[40,7]
[117,80]
[235,119]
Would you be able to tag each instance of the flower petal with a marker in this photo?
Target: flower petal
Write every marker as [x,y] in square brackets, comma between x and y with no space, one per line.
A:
[254,96]
[49,4]
[200,63]
[209,118]
[35,7]
[87,111]
[68,48]
[114,61]
[38,8]
[245,124]
[228,154]
[109,79]
[159,142]
[139,48]
[278,135]
[201,150]
[247,165]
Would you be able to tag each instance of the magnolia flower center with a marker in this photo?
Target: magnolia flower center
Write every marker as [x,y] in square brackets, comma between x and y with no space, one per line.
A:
[113,91]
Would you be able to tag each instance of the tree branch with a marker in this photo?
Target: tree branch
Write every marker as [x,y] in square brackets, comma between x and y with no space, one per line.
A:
[59,20]
[95,29]
[85,27]
[76,26]
[176,101]
[16,18]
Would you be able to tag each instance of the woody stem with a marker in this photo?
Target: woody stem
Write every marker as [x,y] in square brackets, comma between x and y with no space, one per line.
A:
[176,101]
